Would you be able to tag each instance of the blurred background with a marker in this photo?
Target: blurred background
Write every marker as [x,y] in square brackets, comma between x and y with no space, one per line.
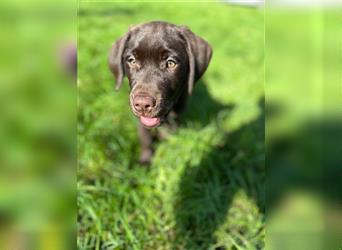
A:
[272,94]
[37,125]
[303,78]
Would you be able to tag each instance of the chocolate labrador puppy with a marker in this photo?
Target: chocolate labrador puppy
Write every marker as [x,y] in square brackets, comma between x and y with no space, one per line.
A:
[162,62]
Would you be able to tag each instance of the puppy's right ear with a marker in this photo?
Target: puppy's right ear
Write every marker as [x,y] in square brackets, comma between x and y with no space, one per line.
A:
[115,60]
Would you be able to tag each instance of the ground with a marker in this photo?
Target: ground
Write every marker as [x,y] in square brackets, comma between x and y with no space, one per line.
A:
[205,186]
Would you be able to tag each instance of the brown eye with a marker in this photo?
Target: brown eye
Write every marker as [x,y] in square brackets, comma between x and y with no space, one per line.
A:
[170,64]
[131,60]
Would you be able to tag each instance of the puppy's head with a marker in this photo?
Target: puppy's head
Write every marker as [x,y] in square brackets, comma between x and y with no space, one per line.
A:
[161,61]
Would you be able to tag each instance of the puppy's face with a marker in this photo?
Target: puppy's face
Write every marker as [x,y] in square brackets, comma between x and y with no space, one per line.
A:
[157,66]
[158,59]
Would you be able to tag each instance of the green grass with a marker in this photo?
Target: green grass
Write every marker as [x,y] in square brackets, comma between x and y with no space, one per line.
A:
[205,186]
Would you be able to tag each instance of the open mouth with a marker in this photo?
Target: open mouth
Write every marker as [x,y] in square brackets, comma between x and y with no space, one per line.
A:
[150,122]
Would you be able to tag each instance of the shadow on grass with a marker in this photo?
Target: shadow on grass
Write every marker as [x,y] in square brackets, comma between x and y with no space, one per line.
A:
[308,159]
[201,108]
[207,191]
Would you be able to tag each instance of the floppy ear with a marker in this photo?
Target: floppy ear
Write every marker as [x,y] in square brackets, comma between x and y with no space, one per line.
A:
[199,53]
[115,60]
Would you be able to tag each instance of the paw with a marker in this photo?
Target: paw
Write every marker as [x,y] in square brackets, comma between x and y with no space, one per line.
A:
[145,156]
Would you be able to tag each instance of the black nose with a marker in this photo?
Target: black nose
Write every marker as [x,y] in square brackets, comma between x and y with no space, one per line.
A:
[144,103]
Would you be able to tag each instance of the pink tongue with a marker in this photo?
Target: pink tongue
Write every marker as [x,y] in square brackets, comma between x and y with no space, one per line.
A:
[150,122]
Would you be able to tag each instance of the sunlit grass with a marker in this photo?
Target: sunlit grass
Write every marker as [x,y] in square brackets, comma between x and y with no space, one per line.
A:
[204,189]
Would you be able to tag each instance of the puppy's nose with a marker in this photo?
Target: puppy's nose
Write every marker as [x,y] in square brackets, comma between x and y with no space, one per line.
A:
[144,103]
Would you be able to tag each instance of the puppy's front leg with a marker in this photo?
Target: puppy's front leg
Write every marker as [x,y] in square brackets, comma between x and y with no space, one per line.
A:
[145,138]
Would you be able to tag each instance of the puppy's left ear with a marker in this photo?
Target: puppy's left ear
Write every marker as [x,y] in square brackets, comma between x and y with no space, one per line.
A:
[115,60]
[199,54]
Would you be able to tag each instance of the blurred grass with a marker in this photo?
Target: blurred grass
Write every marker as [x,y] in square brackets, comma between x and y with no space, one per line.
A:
[37,126]
[205,188]
[303,135]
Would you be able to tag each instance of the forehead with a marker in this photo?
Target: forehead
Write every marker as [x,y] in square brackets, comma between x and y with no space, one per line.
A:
[154,37]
